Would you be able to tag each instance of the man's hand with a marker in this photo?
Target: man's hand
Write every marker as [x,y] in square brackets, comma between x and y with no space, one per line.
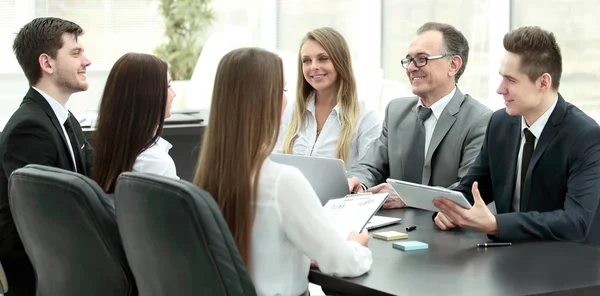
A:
[393,201]
[478,217]
[443,222]
[354,185]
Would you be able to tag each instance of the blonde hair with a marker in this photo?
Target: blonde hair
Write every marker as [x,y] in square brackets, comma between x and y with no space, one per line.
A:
[347,98]
[242,131]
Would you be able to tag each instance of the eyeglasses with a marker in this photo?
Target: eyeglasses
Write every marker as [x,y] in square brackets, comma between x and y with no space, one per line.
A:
[421,61]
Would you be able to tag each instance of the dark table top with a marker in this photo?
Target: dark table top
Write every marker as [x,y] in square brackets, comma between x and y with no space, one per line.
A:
[454,266]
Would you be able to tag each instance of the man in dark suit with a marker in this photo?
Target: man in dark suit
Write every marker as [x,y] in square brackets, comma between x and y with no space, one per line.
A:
[434,137]
[42,130]
[540,161]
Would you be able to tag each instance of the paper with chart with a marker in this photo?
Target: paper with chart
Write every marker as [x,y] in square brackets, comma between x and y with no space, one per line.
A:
[353,212]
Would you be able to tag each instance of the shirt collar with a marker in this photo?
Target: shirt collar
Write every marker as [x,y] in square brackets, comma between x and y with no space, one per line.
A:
[538,126]
[440,105]
[60,111]
[310,105]
[163,144]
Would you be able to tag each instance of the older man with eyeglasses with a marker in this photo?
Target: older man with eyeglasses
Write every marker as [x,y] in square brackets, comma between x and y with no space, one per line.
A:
[432,138]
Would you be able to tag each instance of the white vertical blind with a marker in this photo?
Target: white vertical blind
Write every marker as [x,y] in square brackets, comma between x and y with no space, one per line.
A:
[575,24]
[7,34]
[401,20]
[298,17]
[112,27]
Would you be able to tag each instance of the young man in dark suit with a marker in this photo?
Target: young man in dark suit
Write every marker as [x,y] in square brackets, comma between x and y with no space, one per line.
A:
[540,161]
[42,130]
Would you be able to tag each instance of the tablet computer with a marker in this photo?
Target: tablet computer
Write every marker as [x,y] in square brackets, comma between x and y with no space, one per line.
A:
[421,196]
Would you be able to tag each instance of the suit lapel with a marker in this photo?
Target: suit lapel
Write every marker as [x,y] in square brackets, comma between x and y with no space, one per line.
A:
[548,133]
[443,125]
[510,155]
[36,97]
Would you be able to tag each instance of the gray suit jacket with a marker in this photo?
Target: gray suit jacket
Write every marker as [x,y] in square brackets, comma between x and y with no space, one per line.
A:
[455,143]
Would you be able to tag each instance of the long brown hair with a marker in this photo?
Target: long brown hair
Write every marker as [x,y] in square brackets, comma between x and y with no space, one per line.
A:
[131,116]
[347,95]
[243,127]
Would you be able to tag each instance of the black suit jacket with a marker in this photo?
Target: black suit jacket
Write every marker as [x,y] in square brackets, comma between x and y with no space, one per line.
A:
[561,191]
[33,135]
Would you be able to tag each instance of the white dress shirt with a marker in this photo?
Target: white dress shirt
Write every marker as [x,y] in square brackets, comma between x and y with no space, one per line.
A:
[62,114]
[156,160]
[436,109]
[536,129]
[290,228]
[306,143]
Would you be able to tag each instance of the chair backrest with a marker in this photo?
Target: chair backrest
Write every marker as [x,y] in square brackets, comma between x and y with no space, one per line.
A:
[69,231]
[176,240]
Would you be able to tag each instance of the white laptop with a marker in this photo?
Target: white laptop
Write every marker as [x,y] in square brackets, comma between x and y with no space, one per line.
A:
[422,196]
[327,176]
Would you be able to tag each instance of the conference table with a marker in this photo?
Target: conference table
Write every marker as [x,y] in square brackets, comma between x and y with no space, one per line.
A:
[453,265]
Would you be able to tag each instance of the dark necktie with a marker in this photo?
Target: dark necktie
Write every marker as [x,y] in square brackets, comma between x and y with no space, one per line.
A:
[415,158]
[527,153]
[74,145]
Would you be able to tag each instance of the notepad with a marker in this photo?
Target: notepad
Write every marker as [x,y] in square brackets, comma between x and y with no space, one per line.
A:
[410,246]
[390,235]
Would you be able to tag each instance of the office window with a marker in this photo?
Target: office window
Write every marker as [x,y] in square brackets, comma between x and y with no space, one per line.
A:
[356,20]
[239,17]
[575,25]
[298,17]
[112,27]
[401,19]
[7,34]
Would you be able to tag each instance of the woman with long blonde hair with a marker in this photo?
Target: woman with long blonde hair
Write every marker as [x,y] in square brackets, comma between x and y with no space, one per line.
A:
[327,118]
[275,217]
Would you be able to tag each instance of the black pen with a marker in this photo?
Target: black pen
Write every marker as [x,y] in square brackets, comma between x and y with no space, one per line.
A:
[485,245]
[411,228]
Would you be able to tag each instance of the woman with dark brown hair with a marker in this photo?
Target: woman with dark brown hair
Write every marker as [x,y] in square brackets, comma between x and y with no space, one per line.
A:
[273,213]
[136,100]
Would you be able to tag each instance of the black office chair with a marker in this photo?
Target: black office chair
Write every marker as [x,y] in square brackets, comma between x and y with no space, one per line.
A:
[176,240]
[69,231]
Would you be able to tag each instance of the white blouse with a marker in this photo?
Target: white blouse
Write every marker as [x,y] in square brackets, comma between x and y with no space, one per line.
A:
[290,228]
[156,160]
[306,142]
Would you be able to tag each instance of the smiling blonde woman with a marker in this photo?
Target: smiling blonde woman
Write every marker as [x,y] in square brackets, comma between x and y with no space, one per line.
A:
[327,118]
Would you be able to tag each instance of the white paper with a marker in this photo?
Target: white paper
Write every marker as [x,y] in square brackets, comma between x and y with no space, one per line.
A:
[352,213]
